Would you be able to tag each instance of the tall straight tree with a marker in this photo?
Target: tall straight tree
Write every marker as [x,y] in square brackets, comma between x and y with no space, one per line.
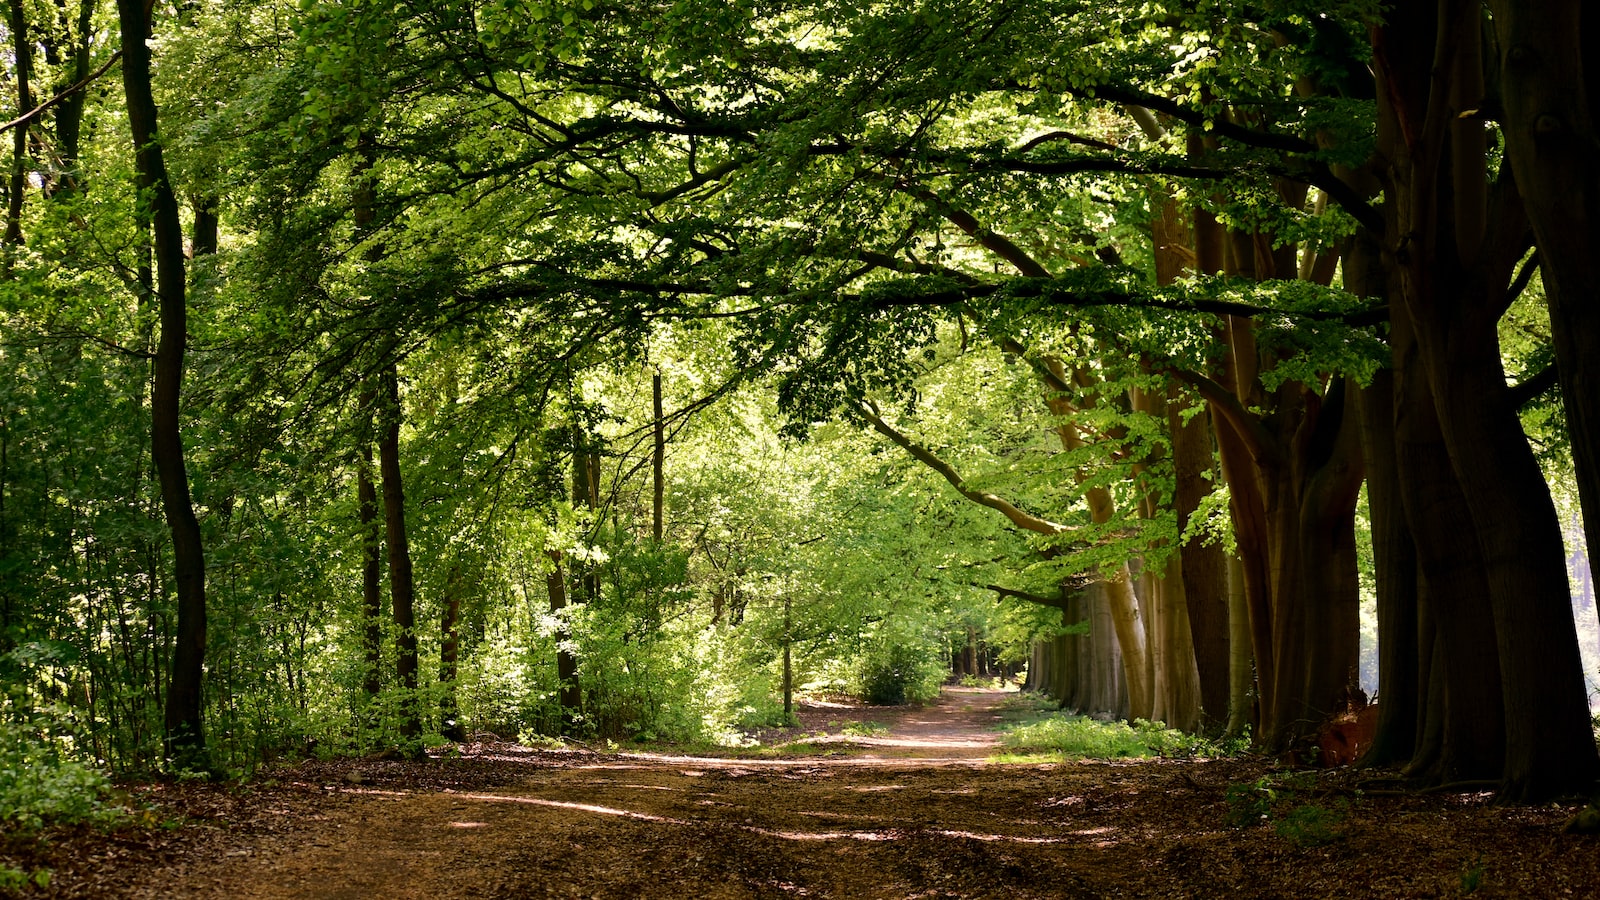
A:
[185,735]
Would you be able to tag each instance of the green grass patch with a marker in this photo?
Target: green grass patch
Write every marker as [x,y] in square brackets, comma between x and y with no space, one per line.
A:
[864,729]
[1065,736]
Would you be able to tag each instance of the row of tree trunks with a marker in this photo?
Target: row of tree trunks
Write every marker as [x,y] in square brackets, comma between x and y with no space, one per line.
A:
[1455,234]
[1082,671]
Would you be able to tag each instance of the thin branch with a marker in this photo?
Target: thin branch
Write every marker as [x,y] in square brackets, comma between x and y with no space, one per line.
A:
[1255,435]
[1534,385]
[40,110]
[1057,602]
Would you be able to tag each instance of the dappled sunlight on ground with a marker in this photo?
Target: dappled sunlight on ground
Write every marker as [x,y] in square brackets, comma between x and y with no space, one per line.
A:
[861,822]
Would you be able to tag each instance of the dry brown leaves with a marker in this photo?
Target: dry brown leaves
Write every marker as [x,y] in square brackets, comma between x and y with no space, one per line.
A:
[508,822]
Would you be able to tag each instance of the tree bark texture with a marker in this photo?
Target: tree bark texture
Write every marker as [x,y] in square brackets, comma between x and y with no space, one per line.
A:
[1395,570]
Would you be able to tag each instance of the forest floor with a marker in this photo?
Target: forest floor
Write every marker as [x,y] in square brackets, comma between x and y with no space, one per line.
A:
[855,803]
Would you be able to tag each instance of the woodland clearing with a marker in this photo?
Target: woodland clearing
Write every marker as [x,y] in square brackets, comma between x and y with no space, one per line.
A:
[861,802]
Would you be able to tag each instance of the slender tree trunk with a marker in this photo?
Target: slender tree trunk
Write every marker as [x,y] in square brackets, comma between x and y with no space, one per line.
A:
[371,573]
[402,586]
[1241,668]
[658,461]
[1204,566]
[69,112]
[449,656]
[185,734]
[569,692]
[22,61]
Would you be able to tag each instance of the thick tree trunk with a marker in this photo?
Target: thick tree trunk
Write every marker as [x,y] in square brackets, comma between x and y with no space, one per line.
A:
[1294,476]
[402,586]
[185,736]
[1455,268]
[1470,727]
[1331,593]
[1204,566]
[1395,570]
[1552,127]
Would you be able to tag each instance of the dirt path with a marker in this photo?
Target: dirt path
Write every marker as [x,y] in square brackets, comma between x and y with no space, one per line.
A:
[912,810]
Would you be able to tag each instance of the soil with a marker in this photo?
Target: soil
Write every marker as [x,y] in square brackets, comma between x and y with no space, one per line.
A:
[912,806]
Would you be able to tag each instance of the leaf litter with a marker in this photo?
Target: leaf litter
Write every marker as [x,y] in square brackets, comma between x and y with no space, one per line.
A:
[908,808]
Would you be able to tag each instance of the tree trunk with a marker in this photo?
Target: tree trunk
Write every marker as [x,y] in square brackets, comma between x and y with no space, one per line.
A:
[1455,268]
[69,112]
[658,462]
[402,586]
[1204,566]
[1550,122]
[185,735]
[22,62]
[449,656]
[371,572]
[1470,726]
[1395,569]
[1241,667]
[569,693]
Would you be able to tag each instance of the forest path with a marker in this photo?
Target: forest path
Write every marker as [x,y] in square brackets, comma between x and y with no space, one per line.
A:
[910,811]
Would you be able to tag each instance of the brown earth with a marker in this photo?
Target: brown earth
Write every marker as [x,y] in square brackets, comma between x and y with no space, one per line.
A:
[909,808]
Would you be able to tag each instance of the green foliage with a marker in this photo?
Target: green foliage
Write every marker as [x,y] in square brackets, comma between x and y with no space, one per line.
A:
[1282,802]
[43,782]
[1472,875]
[892,673]
[14,879]
[1077,736]
[864,729]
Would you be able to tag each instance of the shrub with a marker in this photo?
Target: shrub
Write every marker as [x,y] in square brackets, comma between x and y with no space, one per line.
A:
[1081,736]
[42,782]
[897,673]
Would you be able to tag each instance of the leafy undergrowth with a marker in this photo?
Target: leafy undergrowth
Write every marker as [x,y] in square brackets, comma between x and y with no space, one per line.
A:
[1039,732]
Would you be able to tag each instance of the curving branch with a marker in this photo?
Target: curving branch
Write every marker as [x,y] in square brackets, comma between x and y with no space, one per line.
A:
[1018,517]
